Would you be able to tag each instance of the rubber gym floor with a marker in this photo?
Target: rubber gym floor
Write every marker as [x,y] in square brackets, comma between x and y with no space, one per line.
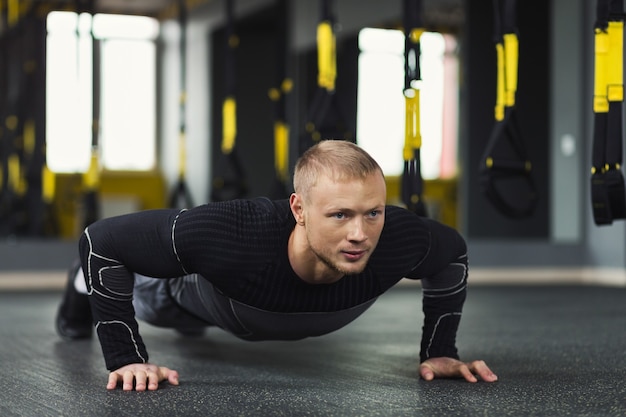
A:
[558,351]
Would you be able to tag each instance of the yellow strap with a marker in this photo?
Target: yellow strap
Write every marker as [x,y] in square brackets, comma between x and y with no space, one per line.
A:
[15,180]
[13,12]
[229,124]
[48,184]
[182,154]
[233,41]
[29,137]
[415,34]
[287,85]
[511,56]
[615,62]
[281,149]
[413,136]
[11,122]
[600,87]
[91,178]
[274,94]
[499,108]
[326,59]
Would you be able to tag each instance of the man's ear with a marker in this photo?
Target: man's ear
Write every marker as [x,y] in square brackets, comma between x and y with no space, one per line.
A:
[295,203]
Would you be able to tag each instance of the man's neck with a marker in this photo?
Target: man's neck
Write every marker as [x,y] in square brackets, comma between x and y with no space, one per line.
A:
[307,266]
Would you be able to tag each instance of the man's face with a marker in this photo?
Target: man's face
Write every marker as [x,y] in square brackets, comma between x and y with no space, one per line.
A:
[343,221]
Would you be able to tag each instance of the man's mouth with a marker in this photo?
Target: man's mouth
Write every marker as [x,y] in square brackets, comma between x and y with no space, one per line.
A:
[354,255]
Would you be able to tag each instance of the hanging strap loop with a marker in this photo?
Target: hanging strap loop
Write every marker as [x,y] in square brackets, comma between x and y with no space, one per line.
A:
[180,196]
[325,119]
[608,195]
[412,181]
[230,181]
[499,170]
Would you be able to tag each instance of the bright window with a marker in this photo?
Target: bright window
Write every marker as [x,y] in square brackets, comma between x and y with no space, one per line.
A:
[127,128]
[381,104]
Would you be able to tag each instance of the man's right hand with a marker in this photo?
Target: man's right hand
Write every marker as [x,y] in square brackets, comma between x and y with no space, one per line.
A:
[140,376]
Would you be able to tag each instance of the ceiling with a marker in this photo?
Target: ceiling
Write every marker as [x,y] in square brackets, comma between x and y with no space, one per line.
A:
[166,8]
[440,14]
[154,8]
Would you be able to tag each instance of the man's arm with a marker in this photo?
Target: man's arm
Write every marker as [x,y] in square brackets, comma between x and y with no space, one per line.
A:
[111,250]
[443,298]
[444,288]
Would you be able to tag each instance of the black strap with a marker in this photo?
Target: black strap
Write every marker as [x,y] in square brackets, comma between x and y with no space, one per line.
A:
[325,118]
[21,115]
[505,161]
[278,94]
[498,174]
[230,181]
[91,194]
[608,195]
[11,202]
[180,196]
[412,181]
[412,20]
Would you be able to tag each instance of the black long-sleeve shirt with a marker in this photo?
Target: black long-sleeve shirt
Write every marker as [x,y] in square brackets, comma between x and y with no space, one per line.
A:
[241,248]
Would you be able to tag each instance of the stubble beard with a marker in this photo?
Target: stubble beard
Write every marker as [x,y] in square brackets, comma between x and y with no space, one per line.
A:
[334,266]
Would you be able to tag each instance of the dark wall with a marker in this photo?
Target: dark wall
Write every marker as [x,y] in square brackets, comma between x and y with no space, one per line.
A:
[23,212]
[339,117]
[533,99]
[255,73]
[255,69]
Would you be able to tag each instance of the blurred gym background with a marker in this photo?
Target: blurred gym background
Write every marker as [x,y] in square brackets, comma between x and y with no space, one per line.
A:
[114,106]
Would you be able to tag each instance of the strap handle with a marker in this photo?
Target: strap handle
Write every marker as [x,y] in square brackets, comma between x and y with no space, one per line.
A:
[608,194]
[412,181]
[278,95]
[497,171]
[325,119]
[181,196]
[230,182]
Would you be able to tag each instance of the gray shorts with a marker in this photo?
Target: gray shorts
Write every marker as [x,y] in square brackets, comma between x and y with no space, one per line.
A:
[154,304]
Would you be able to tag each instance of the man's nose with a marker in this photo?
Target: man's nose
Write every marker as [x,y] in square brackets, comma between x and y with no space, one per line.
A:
[357,230]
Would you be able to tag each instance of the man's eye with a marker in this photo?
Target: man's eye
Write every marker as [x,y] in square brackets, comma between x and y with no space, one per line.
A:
[374,213]
[339,215]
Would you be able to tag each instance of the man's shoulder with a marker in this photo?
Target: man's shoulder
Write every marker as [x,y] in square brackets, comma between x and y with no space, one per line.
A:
[260,205]
[395,213]
[399,220]
[262,210]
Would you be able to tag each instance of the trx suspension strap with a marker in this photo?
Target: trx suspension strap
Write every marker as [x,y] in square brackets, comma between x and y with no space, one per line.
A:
[607,182]
[8,121]
[325,119]
[33,116]
[181,197]
[278,96]
[91,178]
[500,170]
[229,182]
[50,226]
[12,201]
[412,183]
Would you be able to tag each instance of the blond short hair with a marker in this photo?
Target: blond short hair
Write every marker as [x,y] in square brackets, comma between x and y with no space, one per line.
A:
[336,159]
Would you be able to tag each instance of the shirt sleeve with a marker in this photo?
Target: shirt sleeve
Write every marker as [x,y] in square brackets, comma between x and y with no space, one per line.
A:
[443,274]
[111,251]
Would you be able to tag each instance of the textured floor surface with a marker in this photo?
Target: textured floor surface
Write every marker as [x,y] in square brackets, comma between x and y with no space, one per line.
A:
[558,351]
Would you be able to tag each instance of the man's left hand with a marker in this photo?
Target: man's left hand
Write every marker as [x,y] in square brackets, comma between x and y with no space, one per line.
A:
[453,368]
